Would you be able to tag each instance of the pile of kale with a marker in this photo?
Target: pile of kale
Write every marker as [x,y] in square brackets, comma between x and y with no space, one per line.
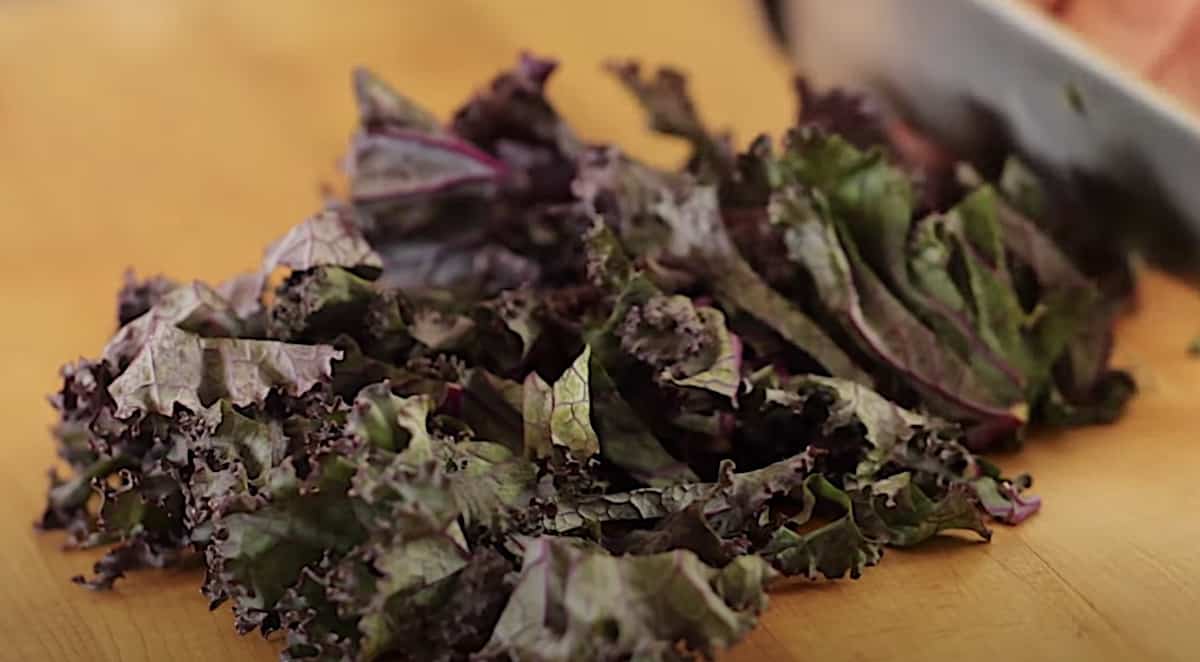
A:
[520,397]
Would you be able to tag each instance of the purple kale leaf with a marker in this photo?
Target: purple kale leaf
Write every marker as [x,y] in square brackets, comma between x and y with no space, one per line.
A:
[180,368]
[574,601]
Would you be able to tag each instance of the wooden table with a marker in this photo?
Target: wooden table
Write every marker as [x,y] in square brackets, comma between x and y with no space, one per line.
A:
[182,136]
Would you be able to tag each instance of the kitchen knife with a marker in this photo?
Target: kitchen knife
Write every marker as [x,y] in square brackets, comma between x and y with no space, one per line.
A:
[956,68]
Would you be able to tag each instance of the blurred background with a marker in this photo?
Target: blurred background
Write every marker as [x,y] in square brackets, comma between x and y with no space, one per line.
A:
[1158,38]
[180,136]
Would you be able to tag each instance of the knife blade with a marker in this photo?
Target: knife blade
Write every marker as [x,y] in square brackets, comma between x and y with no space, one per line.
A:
[957,67]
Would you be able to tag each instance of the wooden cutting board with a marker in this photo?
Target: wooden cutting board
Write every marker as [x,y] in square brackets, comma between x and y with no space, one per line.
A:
[181,137]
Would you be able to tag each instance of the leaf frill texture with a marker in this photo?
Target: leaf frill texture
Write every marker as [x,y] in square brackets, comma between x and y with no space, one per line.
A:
[524,398]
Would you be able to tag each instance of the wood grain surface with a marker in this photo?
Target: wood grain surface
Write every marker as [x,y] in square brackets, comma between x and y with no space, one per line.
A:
[181,137]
